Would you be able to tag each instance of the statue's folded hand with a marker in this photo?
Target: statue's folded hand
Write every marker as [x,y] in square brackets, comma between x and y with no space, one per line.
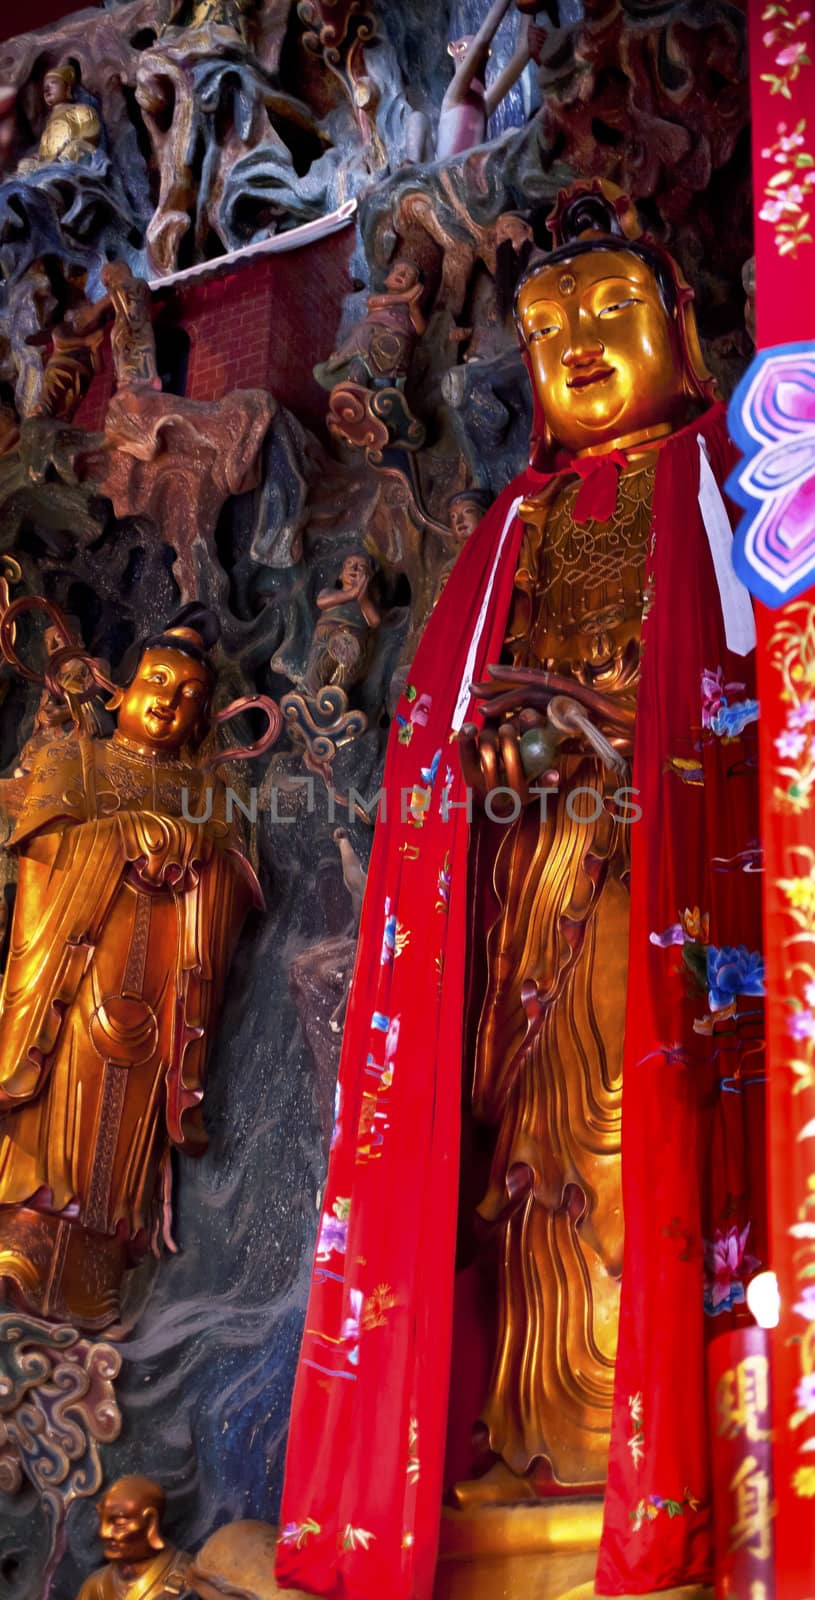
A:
[501,761]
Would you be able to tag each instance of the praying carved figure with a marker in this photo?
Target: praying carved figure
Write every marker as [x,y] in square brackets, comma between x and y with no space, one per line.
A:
[343,638]
[141,1563]
[126,916]
[132,340]
[72,131]
[379,349]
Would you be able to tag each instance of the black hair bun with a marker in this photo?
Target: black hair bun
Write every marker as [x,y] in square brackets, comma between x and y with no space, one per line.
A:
[201,618]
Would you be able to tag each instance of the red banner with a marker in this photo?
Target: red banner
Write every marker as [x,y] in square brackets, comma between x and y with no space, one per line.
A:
[739,1385]
[773,416]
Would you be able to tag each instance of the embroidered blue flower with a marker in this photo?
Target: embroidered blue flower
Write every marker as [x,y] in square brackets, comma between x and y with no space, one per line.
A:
[729,721]
[733,970]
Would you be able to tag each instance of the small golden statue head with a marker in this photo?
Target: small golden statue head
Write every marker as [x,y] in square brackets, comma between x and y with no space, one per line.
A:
[130,1514]
[58,85]
[608,329]
[167,703]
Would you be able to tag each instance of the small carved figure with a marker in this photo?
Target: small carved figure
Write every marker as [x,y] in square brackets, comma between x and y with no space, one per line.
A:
[354,875]
[132,339]
[464,512]
[192,17]
[341,646]
[378,349]
[54,716]
[70,366]
[141,1563]
[506,252]
[72,131]
[468,104]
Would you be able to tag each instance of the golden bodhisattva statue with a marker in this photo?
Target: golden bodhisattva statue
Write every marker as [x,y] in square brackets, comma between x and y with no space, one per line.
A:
[72,131]
[141,1563]
[125,921]
[614,357]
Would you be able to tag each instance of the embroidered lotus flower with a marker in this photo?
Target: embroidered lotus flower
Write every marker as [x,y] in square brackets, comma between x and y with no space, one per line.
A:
[727,1264]
[720,714]
[733,970]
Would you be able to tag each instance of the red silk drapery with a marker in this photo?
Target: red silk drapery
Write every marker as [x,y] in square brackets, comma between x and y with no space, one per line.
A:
[364,1470]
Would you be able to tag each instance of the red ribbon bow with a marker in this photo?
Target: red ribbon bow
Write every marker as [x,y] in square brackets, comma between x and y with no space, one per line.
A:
[597,498]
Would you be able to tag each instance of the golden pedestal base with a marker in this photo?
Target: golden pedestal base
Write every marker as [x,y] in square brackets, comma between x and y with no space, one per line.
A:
[529,1552]
[545,1551]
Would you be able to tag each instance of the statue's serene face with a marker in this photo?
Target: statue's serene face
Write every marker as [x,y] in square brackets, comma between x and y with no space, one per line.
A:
[605,353]
[55,91]
[126,1521]
[162,708]
[465,516]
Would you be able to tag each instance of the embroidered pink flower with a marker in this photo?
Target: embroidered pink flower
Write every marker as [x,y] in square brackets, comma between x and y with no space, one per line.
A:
[805,1306]
[791,54]
[805,1394]
[801,715]
[790,743]
[772,211]
[801,1025]
[727,1263]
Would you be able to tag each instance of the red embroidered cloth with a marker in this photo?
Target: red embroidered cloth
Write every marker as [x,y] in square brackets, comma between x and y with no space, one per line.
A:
[363,1485]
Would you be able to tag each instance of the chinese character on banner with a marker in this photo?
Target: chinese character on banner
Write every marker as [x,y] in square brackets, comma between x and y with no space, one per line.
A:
[743,1502]
[743,1399]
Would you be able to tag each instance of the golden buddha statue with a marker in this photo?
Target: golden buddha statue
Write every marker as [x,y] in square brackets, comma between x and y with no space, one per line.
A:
[142,1564]
[611,345]
[126,916]
[71,130]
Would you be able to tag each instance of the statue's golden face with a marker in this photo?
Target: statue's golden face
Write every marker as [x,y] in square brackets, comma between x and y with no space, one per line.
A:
[127,1526]
[605,353]
[162,708]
